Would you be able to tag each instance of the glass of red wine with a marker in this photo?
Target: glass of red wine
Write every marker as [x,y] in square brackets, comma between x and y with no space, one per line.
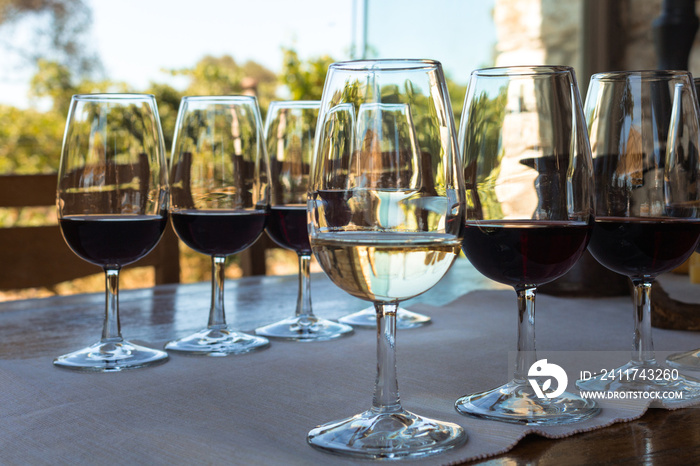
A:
[644,134]
[219,202]
[290,127]
[385,204]
[687,360]
[112,200]
[528,176]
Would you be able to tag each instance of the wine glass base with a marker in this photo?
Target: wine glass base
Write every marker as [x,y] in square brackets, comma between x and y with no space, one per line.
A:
[367,318]
[218,342]
[644,377]
[388,435]
[303,328]
[517,403]
[688,361]
[111,356]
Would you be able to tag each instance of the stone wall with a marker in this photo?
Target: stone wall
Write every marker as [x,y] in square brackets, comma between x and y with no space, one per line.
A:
[524,37]
[538,32]
[637,16]
[519,33]
[694,62]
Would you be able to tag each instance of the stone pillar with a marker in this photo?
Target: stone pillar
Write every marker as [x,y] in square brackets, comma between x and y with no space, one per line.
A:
[524,38]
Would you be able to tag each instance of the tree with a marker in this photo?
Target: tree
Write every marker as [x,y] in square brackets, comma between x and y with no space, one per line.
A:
[57,82]
[304,80]
[168,99]
[58,32]
[223,76]
[457,94]
[30,141]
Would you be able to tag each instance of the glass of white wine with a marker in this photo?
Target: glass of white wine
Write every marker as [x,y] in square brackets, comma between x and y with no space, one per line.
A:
[391,114]
[385,206]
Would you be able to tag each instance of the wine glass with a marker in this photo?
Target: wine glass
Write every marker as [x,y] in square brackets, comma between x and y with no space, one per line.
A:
[289,134]
[384,226]
[397,115]
[687,360]
[219,202]
[528,177]
[112,201]
[644,134]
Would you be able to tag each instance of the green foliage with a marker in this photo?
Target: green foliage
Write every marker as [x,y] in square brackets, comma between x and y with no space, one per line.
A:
[304,79]
[57,83]
[482,153]
[30,140]
[457,94]
[168,99]
[223,76]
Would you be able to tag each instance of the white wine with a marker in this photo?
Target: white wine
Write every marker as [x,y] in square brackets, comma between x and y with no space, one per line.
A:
[385,266]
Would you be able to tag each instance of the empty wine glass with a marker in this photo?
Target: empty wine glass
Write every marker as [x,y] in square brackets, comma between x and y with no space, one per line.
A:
[289,134]
[112,203]
[385,205]
[644,134]
[219,202]
[687,360]
[528,177]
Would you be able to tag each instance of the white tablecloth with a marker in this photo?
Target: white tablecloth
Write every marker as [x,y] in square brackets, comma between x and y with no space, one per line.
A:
[258,408]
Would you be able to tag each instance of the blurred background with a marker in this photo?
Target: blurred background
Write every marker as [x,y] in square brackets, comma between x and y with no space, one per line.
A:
[276,50]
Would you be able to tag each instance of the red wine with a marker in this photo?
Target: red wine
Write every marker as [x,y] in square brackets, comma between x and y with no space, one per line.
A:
[218,232]
[522,252]
[112,239]
[643,246]
[287,227]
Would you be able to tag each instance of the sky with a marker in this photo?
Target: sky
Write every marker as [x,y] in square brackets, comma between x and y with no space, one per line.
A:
[137,40]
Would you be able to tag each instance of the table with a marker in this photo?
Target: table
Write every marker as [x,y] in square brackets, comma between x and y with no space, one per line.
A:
[67,323]
[45,328]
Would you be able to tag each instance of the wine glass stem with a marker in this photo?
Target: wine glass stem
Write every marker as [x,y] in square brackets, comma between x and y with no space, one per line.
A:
[217,316]
[386,387]
[525,356]
[304,296]
[111,331]
[643,350]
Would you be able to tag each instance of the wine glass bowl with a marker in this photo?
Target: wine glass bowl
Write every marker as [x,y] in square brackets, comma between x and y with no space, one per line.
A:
[645,139]
[687,360]
[373,120]
[112,200]
[385,203]
[219,202]
[290,127]
[527,168]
